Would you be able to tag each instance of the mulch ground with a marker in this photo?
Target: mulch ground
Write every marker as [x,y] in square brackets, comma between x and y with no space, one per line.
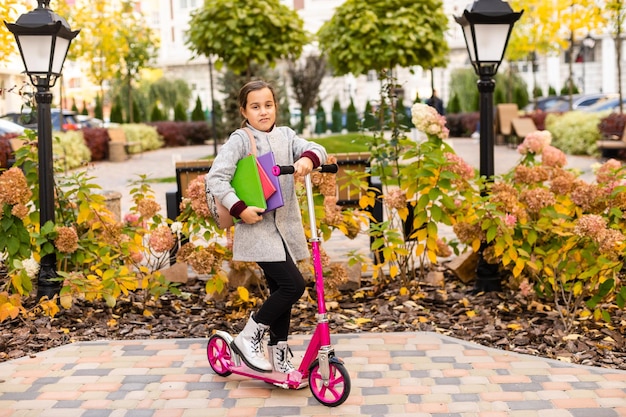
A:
[501,320]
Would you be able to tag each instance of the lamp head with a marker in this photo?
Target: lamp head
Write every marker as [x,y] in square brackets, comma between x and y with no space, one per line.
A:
[487,25]
[43,39]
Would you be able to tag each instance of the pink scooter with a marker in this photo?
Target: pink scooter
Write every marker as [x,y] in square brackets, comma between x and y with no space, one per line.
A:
[320,369]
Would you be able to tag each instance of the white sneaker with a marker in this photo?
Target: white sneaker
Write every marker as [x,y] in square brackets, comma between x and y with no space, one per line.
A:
[249,345]
[280,355]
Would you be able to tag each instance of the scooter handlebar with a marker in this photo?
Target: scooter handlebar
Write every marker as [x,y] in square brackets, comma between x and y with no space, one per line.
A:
[278,170]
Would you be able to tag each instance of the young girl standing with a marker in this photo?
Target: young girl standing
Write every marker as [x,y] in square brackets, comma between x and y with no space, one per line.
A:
[274,240]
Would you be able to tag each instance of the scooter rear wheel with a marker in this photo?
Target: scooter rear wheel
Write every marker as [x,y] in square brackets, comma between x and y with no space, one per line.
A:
[338,387]
[219,355]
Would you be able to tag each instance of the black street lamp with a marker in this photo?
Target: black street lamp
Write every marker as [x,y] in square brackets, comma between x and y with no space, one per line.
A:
[487,25]
[43,38]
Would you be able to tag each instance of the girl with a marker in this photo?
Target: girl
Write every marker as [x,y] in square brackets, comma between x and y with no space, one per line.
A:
[274,240]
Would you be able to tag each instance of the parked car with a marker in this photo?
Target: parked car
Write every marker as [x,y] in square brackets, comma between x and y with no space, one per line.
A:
[28,119]
[88,121]
[562,103]
[546,103]
[610,105]
[582,101]
[6,126]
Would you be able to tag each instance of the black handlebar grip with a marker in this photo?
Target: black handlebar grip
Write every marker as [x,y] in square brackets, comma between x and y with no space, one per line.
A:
[282,170]
[330,168]
[278,170]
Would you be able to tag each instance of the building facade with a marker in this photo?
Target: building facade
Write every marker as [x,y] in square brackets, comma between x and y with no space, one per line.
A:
[170,18]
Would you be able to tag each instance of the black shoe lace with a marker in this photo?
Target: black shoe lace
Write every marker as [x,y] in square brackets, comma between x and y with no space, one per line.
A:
[257,345]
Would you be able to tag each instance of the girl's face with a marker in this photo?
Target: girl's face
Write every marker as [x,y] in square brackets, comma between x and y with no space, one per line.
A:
[260,111]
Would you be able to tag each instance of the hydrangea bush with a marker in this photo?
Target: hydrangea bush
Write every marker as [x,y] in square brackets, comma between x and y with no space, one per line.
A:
[98,256]
[552,231]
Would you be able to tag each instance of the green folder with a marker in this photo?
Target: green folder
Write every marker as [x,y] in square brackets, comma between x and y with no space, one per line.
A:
[247,183]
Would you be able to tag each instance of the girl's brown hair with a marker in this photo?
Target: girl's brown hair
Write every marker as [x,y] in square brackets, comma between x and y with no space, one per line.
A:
[248,88]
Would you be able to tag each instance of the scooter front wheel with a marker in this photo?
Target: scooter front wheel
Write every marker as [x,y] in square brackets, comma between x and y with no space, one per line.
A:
[219,355]
[336,391]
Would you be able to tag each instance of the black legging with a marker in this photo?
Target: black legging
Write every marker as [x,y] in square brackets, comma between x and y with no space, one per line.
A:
[286,285]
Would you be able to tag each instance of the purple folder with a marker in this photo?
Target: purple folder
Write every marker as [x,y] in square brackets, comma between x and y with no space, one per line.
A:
[275,200]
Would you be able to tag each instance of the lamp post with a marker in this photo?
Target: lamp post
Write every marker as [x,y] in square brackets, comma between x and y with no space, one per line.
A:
[43,39]
[487,25]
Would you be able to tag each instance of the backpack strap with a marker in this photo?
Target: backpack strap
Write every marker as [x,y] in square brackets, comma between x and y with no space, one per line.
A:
[252,141]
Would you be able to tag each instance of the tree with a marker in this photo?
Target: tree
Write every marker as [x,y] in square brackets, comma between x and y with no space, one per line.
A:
[139,46]
[320,119]
[384,34]
[197,114]
[180,114]
[552,26]
[369,119]
[169,92]
[337,117]
[117,115]
[243,32]
[306,78]
[94,45]
[8,45]
[352,118]
[157,114]
[97,111]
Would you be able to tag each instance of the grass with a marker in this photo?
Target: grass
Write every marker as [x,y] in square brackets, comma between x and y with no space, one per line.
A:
[342,143]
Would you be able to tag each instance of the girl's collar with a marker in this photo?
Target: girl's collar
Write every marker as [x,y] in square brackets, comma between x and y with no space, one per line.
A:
[248,125]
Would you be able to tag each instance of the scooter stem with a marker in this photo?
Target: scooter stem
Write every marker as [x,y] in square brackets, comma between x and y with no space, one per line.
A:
[315,247]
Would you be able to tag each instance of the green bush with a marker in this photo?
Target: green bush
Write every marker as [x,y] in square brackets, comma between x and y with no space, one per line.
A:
[575,132]
[147,137]
[70,149]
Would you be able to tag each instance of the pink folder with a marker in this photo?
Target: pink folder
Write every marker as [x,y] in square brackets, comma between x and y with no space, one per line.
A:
[267,163]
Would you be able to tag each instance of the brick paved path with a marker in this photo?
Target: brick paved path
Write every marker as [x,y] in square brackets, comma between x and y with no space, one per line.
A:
[414,374]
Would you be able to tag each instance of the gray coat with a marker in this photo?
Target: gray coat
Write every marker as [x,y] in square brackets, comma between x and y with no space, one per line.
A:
[263,241]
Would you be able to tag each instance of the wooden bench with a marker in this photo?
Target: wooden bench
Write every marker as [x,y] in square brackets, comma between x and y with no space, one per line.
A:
[119,147]
[521,127]
[613,146]
[505,114]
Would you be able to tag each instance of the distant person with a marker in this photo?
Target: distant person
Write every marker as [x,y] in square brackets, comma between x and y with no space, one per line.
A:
[436,102]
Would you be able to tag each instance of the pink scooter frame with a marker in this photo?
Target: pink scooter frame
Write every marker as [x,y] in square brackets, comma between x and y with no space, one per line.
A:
[324,373]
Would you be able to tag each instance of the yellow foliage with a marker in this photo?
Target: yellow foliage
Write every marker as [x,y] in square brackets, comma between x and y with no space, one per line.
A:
[393,271]
[49,307]
[243,294]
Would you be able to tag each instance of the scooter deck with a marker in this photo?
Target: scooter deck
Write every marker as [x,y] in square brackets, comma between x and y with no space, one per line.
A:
[292,380]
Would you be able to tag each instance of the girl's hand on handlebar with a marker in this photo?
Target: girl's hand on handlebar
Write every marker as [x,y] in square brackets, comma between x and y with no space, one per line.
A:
[303,166]
[252,215]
